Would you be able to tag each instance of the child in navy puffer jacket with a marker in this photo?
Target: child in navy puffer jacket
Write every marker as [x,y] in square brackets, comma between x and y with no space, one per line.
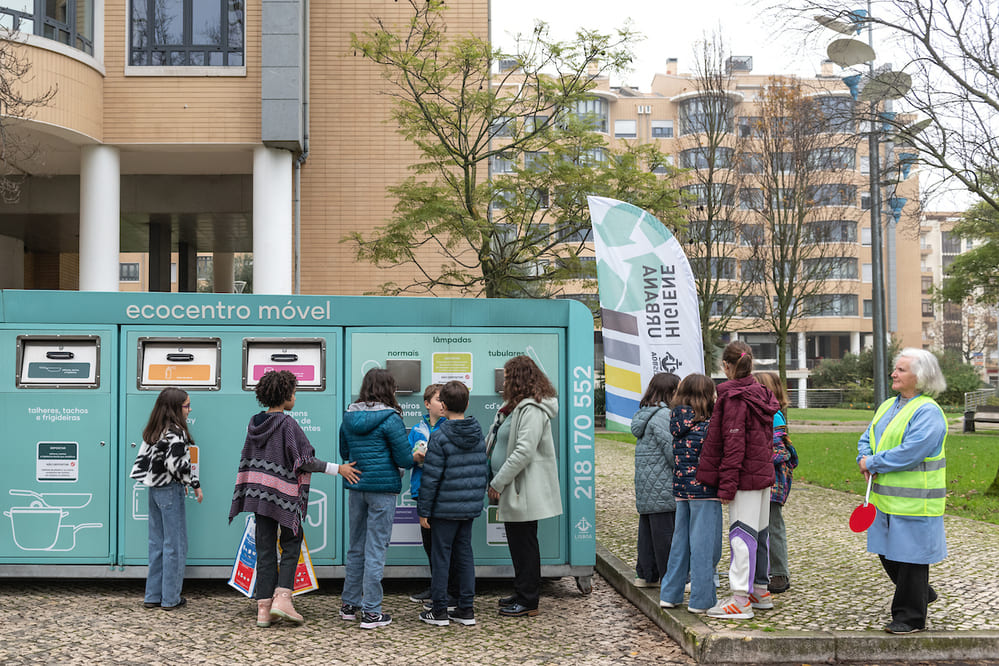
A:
[697,536]
[455,473]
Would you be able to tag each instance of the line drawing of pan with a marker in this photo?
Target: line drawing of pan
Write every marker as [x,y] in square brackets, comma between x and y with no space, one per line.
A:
[39,525]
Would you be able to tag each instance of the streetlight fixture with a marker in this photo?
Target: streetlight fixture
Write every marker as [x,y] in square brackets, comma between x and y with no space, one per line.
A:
[878,86]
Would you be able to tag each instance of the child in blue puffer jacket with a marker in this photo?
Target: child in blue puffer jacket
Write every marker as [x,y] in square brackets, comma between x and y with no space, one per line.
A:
[374,436]
[653,479]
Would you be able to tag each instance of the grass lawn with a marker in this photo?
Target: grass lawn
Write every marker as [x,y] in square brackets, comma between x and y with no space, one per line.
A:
[835,414]
[829,460]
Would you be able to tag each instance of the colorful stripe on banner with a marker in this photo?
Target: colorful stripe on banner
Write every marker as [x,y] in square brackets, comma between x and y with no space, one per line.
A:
[620,378]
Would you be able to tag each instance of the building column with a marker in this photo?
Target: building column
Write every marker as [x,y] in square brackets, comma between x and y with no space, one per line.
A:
[803,392]
[160,246]
[187,267]
[802,352]
[855,343]
[222,272]
[100,206]
[11,263]
[272,221]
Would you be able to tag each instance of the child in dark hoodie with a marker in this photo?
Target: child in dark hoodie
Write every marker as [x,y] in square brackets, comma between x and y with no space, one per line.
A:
[451,491]
[373,434]
[275,467]
[737,459]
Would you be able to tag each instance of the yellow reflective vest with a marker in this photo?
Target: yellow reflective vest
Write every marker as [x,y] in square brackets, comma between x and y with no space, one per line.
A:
[920,491]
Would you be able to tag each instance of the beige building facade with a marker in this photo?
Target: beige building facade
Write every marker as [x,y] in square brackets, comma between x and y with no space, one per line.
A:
[185,127]
[658,116]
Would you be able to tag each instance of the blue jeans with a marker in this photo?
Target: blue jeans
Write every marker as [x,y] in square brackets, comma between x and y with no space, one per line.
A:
[167,544]
[451,551]
[370,516]
[696,548]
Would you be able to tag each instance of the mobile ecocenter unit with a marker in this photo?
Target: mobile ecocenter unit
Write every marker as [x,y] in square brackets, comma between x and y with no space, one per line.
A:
[80,371]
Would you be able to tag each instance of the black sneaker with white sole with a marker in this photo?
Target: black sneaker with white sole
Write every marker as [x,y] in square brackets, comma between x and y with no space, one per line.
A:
[436,619]
[348,612]
[420,597]
[464,616]
[375,620]
[451,604]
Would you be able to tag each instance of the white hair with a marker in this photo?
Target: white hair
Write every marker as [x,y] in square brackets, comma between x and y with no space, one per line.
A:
[929,377]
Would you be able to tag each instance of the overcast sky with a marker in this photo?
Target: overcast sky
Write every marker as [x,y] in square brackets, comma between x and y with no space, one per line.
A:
[671,27]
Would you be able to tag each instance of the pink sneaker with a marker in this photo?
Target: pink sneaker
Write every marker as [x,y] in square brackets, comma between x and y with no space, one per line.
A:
[761,599]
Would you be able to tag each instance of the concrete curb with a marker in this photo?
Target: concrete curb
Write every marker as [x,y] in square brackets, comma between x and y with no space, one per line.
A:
[707,645]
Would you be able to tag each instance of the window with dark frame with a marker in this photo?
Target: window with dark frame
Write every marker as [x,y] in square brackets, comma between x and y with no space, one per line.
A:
[186,33]
[128,272]
[69,22]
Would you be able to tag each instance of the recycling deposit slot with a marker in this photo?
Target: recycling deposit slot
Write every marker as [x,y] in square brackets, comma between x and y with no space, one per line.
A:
[81,372]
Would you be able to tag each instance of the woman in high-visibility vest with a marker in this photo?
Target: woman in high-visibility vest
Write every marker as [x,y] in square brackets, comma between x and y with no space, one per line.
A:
[904,449]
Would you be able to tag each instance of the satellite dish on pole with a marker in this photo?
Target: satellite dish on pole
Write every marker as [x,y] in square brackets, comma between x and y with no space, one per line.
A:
[910,131]
[849,52]
[834,23]
[885,86]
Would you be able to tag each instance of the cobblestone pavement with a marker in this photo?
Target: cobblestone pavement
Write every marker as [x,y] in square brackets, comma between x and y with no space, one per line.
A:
[103,622]
[835,583]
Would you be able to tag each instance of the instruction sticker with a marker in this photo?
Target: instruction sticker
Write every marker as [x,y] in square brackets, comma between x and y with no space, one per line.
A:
[452,366]
[57,461]
[495,529]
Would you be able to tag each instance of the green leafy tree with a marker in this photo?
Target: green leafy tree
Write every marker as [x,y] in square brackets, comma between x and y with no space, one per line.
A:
[961,378]
[975,273]
[521,232]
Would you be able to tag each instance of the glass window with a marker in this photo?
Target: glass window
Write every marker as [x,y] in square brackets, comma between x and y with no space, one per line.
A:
[595,110]
[128,272]
[70,22]
[625,129]
[832,305]
[865,164]
[927,283]
[710,231]
[751,198]
[865,200]
[572,234]
[833,194]
[535,161]
[716,194]
[501,127]
[722,305]
[866,273]
[662,129]
[751,163]
[706,114]
[501,165]
[832,159]
[865,236]
[702,158]
[750,126]
[950,243]
[868,308]
[837,113]
[832,231]
[927,307]
[753,306]
[752,235]
[833,268]
[186,33]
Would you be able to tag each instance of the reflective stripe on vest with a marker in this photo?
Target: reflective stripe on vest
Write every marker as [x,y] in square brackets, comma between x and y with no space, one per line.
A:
[920,491]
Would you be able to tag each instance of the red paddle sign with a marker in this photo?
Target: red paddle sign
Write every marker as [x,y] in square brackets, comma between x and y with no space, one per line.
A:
[863,516]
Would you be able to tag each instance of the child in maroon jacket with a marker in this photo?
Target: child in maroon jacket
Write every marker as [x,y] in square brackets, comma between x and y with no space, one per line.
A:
[737,458]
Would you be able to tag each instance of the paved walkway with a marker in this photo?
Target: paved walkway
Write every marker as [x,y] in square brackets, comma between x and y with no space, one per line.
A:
[103,622]
[836,585]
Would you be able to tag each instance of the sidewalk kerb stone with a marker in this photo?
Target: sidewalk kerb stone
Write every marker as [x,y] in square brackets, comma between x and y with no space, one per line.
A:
[732,647]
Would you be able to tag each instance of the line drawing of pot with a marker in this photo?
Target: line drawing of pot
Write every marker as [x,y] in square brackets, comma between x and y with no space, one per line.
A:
[317,518]
[39,525]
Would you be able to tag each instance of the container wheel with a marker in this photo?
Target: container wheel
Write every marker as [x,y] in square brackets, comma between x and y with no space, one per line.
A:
[584,584]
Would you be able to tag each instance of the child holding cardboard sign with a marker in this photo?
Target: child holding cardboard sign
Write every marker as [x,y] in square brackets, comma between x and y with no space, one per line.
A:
[273,482]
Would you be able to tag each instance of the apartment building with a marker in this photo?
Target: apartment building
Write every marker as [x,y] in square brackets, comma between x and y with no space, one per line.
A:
[184,127]
[664,115]
[967,328]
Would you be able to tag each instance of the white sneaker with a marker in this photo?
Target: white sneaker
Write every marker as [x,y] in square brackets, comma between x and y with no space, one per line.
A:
[666,604]
[731,609]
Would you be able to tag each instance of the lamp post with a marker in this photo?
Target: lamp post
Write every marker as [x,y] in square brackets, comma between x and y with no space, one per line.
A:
[874,89]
